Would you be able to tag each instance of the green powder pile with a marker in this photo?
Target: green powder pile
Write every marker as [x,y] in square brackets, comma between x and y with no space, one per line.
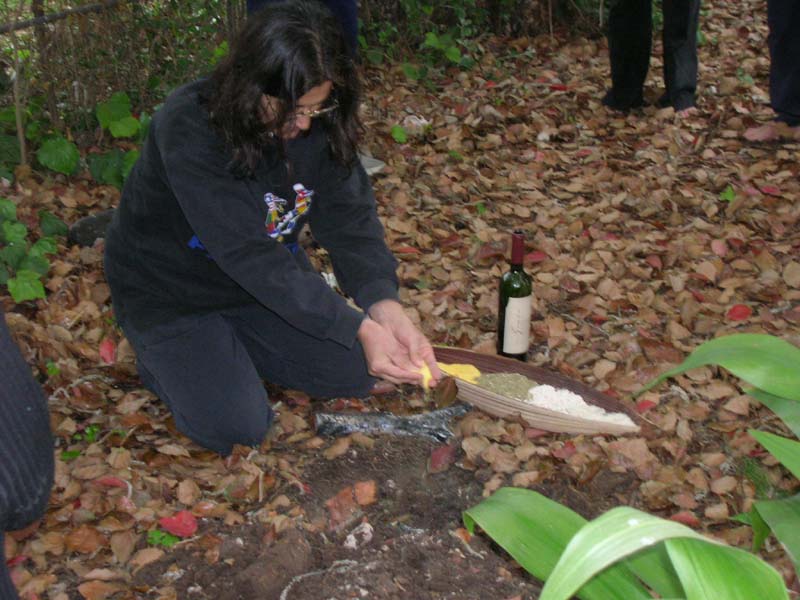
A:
[511,385]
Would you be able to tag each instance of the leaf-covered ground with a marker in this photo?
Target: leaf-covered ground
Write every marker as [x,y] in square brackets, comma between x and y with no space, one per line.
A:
[647,234]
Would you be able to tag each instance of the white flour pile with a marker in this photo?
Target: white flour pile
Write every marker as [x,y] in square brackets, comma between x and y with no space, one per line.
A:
[564,401]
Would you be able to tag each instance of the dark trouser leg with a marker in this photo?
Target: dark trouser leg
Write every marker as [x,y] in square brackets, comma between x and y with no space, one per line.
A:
[203,373]
[208,371]
[291,358]
[784,50]
[681,19]
[629,44]
[344,10]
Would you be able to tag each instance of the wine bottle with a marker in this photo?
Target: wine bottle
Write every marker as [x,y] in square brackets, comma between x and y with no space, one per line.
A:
[514,311]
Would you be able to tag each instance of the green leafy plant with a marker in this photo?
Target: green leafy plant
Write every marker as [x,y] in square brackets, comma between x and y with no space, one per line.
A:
[156,537]
[772,365]
[728,194]
[399,134]
[624,553]
[58,154]
[114,115]
[23,264]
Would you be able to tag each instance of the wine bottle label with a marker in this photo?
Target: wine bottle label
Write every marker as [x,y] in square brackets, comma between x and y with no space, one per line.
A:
[517,328]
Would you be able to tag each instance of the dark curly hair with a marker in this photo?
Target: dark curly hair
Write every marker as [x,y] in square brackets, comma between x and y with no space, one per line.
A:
[283,51]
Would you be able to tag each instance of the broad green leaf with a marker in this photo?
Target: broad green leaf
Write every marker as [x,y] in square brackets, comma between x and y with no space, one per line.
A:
[43,247]
[114,109]
[375,56]
[9,149]
[13,232]
[5,274]
[788,410]
[8,210]
[51,224]
[535,530]
[785,450]
[399,134]
[125,127]
[13,254]
[410,71]
[453,54]
[107,168]
[431,41]
[714,571]
[130,158]
[615,535]
[25,286]
[783,516]
[728,194]
[37,264]
[59,154]
[765,361]
[654,567]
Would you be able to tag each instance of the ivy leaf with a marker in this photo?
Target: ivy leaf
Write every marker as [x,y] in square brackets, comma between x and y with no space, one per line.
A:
[59,154]
[399,134]
[13,232]
[51,224]
[728,194]
[130,158]
[43,247]
[114,109]
[8,210]
[411,72]
[12,254]
[107,168]
[25,286]
[125,127]
[453,54]
[37,264]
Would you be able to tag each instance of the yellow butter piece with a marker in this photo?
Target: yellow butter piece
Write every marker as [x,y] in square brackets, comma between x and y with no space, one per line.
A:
[469,373]
[426,377]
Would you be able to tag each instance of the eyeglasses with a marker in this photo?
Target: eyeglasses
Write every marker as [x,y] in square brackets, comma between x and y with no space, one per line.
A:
[313,114]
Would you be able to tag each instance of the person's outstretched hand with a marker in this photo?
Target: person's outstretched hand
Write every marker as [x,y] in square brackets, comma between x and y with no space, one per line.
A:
[418,350]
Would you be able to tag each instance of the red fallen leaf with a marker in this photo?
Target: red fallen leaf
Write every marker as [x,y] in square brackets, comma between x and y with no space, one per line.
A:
[112,482]
[719,247]
[699,296]
[490,250]
[751,191]
[583,152]
[686,517]
[611,236]
[642,406]
[461,109]
[654,260]
[406,250]
[441,458]
[567,450]
[598,319]
[558,87]
[17,560]
[736,243]
[489,84]
[451,241]
[536,256]
[739,312]
[770,190]
[108,351]
[183,524]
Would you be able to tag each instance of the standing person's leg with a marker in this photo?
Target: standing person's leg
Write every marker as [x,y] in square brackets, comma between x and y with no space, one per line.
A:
[784,50]
[203,373]
[26,449]
[681,19]
[629,44]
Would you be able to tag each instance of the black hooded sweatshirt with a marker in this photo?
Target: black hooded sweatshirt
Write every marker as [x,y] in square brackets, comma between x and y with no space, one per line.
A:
[191,237]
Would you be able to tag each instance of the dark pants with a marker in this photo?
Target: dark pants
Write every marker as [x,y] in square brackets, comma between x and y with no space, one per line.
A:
[208,370]
[630,24]
[784,51]
[344,10]
[26,449]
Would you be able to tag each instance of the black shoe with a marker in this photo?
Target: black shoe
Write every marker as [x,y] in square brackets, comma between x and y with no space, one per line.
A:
[611,100]
[86,231]
[682,103]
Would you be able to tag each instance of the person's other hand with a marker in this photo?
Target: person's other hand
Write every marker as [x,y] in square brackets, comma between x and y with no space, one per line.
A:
[390,314]
[386,357]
